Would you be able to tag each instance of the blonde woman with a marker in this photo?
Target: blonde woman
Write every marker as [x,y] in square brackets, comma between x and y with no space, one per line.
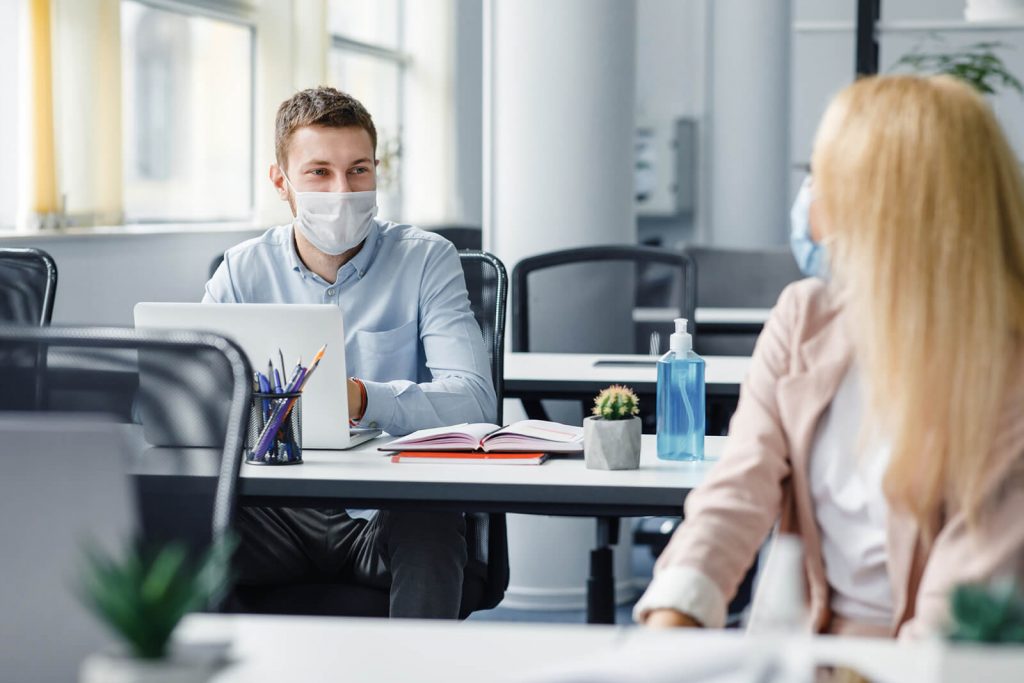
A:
[882,420]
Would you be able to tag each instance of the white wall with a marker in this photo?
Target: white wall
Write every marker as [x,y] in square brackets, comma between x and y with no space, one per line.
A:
[749,120]
[823,58]
[100,277]
[671,83]
[469,111]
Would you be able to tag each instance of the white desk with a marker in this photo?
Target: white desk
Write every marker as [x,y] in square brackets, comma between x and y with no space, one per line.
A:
[581,375]
[366,478]
[561,486]
[275,649]
[753,317]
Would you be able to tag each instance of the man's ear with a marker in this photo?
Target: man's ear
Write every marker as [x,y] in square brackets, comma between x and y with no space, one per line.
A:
[277,179]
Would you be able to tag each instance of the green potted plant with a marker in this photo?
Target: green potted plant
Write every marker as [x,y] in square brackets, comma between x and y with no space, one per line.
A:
[141,597]
[977,64]
[986,633]
[611,436]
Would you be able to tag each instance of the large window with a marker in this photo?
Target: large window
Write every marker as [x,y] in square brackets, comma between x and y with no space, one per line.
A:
[9,84]
[187,115]
[367,61]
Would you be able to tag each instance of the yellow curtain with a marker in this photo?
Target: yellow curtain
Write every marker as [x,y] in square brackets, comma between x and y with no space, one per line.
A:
[87,87]
[73,117]
[43,196]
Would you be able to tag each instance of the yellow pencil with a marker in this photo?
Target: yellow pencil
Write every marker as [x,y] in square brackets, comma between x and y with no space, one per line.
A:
[312,366]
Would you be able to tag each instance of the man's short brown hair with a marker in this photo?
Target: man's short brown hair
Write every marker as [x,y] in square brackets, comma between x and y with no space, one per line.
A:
[321,106]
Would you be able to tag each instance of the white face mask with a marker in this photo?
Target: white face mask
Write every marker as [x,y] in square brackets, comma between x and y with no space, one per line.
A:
[334,222]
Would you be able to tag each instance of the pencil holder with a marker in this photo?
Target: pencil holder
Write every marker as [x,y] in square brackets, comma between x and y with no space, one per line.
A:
[283,414]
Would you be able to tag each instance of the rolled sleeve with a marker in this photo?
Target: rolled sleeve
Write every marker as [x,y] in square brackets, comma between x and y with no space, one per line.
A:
[686,590]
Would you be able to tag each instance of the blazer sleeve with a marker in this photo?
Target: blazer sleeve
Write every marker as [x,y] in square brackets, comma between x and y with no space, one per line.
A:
[729,516]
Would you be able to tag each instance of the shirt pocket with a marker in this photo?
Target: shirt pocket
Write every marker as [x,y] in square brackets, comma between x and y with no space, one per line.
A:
[387,355]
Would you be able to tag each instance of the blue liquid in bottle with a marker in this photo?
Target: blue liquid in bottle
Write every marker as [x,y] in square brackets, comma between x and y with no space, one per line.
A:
[680,408]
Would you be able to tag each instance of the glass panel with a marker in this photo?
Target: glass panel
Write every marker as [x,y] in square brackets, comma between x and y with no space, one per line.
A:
[187,116]
[373,22]
[376,82]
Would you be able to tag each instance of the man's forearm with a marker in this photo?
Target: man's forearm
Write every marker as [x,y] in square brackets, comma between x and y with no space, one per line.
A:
[401,407]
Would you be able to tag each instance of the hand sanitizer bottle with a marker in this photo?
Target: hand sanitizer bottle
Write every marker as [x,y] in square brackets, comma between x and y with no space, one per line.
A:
[681,399]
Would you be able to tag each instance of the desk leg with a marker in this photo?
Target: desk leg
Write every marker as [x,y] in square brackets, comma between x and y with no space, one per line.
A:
[601,582]
[534,409]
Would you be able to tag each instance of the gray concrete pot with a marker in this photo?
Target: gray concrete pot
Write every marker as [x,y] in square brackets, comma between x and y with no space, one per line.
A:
[611,444]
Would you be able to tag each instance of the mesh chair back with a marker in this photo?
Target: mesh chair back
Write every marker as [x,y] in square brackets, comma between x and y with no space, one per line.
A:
[734,278]
[127,373]
[215,264]
[487,283]
[28,285]
[585,300]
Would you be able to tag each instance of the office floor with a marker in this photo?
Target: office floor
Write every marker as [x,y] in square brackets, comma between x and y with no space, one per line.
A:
[643,564]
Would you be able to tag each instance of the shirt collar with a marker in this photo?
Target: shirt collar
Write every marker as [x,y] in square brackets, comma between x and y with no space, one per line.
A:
[293,254]
[361,262]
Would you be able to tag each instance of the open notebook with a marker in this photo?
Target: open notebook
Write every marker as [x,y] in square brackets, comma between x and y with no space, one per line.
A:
[527,436]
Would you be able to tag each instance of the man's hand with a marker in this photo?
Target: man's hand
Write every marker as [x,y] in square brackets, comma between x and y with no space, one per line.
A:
[356,407]
[669,618]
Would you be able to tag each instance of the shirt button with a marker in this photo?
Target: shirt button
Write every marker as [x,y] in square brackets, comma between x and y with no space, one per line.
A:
[330,292]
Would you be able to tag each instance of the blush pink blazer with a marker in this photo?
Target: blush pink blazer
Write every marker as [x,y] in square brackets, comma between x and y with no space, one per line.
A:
[762,478]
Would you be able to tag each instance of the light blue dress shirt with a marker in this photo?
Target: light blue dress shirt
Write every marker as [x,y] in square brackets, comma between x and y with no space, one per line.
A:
[409,333]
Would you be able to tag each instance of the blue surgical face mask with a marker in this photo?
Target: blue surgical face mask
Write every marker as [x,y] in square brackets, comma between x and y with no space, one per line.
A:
[811,257]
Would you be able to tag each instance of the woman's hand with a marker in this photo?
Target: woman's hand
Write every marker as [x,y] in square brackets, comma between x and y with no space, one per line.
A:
[669,618]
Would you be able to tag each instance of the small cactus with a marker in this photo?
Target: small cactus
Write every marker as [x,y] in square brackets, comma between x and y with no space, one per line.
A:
[616,403]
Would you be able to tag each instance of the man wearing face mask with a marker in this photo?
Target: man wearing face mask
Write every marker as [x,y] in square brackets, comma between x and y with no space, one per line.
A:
[411,343]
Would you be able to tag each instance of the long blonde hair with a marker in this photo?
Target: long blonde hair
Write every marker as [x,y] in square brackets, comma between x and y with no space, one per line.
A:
[924,207]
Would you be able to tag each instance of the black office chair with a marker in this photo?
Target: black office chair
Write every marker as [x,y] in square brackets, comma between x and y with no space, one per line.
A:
[487,575]
[585,301]
[183,388]
[487,284]
[464,237]
[28,286]
[735,278]
[215,263]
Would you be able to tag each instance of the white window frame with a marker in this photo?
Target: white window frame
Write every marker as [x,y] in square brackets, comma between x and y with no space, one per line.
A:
[384,53]
[243,14]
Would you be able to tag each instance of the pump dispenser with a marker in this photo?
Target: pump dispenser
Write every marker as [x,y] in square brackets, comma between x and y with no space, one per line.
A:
[680,410]
[681,342]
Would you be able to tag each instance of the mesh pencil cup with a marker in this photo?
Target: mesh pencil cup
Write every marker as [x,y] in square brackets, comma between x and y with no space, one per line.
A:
[284,446]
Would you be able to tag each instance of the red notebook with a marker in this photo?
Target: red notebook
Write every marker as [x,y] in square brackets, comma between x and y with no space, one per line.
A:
[469,458]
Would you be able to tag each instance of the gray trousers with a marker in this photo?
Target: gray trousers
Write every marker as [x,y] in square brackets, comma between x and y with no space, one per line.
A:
[419,557]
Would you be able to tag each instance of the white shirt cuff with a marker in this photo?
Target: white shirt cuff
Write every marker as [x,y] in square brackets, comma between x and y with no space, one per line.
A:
[687,590]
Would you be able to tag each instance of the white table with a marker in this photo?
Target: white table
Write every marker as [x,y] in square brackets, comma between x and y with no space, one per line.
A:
[363,477]
[750,317]
[534,376]
[311,649]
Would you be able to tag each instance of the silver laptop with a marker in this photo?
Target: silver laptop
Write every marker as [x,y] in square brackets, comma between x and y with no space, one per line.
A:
[64,485]
[298,330]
